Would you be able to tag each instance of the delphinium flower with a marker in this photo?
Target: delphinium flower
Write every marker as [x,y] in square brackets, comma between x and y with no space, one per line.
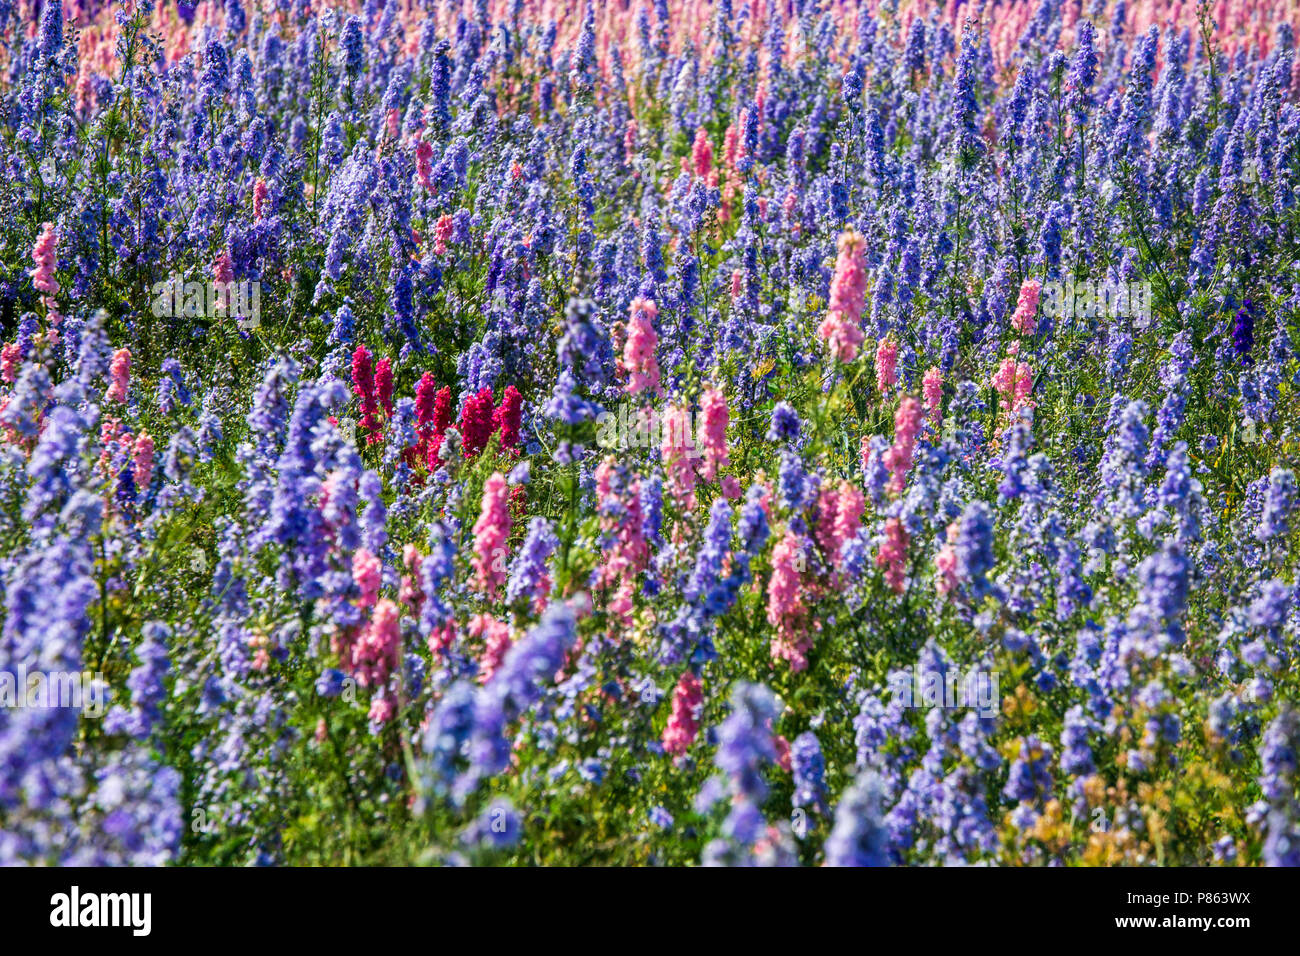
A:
[945,562]
[352,48]
[684,722]
[579,358]
[1278,779]
[797,488]
[842,327]
[1017,482]
[752,531]
[1013,382]
[495,636]
[678,452]
[48,596]
[703,585]
[426,390]
[529,579]
[1076,750]
[145,684]
[713,433]
[343,327]
[1023,320]
[498,827]
[294,524]
[529,666]
[786,611]
[1178,499]
[367,573]
[1174,378]
[1072,592]
[475,423]
[907,424]
[892,556]
[873,450]
[1269,374]
[121,375]
[436,569]
[859,837]
[45,257]
[745,749]
[442,423]
[54,470]
[808,770]
[1274,520]
[1123,465]
[886,364]
[491,532]
[622,519]
[445,736]
[1030,776]
[363,386]
[1243,333]
[974,548]
[967,144]
[172,389]
[1266,616]
[178,467]
[785,425]
[840,512]
[11,357]
[638,359]
[506,417]
[424,172]
[142,461]
[384,385]
[932,396]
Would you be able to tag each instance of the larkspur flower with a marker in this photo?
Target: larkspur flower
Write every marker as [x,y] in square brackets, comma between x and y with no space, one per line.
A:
[842,327]
[491,533]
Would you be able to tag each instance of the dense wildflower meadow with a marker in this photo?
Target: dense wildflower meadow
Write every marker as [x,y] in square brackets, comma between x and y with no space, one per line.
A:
[672,432]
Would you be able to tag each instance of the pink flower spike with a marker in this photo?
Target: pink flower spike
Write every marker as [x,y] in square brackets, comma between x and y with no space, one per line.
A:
[892,557]
[639,350]
[424,164]
[260,194]
[496,641]
[142,461]
[375,656]
[45,255]
[678,450]
[842,327]
[367,573]
[932,393]
[120,370]
[223,268]
[785,605]
[898,459]
[491,531]
[11,358]
[442,230]
[1023,320]
[684,723]
[713,410]
[886,364]
[702,153]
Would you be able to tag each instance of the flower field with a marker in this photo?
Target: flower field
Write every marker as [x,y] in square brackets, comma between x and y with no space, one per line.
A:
[655,432]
